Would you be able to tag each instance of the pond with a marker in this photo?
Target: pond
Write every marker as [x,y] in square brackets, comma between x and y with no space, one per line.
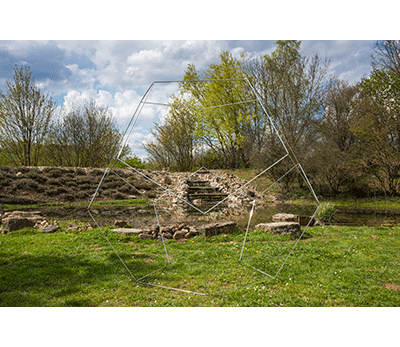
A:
[139,215]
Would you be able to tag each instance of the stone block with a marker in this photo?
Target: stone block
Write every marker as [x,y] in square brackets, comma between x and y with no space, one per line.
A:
[284,228]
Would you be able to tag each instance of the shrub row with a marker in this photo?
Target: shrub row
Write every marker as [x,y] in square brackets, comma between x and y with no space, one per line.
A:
[53,184]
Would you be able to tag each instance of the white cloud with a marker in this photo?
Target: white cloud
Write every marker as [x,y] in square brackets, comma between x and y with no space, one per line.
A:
[136,142]
[117,73]
[350,60]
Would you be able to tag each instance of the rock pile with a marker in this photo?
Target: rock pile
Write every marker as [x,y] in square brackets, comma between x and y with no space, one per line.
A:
[178,184]
[176,232]
[16,220]
[179,232]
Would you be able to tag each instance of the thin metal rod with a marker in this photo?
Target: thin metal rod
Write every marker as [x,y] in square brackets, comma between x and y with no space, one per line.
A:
[161,268]
[98,187]
[171,288]
[277,181]
[112,247]
[312,217]
[155,103]
[159,228]
[266,113]
[240,188]
[247,230]
[308,183]
[233,103]
[264,273]
[169,191]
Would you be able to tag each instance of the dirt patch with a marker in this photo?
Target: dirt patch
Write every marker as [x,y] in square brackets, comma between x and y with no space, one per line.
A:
[392,286]
[97,248]
[373,237]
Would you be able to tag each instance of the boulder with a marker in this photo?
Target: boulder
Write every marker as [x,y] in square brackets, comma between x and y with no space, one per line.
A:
[166,229]
[154,227]
[120,223]
[219,228]
[285,217]
[16,220]
[167,181]
[284,228]
[167,235]
[180,234]
[10,225]
[146,237]
[48,228]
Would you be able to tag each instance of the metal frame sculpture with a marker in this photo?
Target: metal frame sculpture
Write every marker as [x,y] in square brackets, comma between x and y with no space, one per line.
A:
[242,259]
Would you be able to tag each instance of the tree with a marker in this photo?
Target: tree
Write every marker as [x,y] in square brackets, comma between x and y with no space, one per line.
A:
[25,115]
[377,125]
[387,57]
[224,118]
[175,141]
[335,149]
[86,136]
[292,89]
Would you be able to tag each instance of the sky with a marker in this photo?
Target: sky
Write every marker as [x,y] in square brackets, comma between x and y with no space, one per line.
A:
[116,73]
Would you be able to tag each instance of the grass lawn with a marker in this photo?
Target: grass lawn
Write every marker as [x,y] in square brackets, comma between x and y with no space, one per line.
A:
[330,266]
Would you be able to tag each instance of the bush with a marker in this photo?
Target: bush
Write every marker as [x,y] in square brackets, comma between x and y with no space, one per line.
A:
[80,171]
[7,169]
[36,176]
[84,179]
[86,186]
[67,197]
[118,196]
[97,172]
[25,184]
[326,212]
[55,182]
[112,184]
[56,191]
[53,172]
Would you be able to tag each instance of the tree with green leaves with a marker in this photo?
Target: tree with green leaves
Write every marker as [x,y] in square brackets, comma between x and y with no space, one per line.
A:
[224,118]
[377,125]
[25,116]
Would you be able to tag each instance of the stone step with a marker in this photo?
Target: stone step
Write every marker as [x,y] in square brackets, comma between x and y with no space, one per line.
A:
[209,197]
[198,183]
[203,190]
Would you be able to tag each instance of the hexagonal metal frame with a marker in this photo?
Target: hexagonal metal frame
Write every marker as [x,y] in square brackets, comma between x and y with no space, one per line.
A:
[116,158]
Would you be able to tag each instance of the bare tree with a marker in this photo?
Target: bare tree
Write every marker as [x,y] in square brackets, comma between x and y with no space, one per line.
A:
[333,154]
[25,115]
[292,88]
[386,56]
[85,136]
[175,141]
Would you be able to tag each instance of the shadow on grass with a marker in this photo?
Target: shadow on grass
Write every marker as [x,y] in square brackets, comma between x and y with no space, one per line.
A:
[53,280]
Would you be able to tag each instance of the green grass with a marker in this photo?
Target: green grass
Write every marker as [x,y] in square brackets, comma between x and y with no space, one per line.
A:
[330,266]
[379,203]
[126,202]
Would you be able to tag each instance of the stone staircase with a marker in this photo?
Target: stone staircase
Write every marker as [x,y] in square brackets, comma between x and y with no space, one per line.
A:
[201,193]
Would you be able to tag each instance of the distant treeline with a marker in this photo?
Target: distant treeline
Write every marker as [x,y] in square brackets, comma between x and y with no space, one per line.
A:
[347,137]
